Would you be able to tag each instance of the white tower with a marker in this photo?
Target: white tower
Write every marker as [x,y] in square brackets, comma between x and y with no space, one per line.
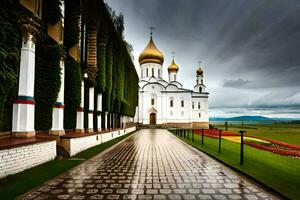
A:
[173,69]
[151,60]
[199,87]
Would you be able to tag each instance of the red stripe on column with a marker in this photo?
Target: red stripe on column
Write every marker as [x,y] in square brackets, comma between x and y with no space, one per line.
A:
[24,102]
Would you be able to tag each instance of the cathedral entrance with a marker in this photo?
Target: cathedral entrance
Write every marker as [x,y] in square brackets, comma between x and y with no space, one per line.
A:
[152,118]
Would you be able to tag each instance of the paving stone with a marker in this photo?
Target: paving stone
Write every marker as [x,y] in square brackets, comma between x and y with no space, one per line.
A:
[205,196]
[152,164]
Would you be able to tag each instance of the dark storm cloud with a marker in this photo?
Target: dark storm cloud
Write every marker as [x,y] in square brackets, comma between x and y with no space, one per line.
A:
[238,83]
[250,45]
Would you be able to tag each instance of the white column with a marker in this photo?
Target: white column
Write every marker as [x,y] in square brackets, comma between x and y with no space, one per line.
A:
[99,109]
[105,120]
[23,107]
[91,110]
[58,110]
[80,112]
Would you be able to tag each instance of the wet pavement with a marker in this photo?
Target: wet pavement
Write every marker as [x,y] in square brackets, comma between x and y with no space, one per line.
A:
[151,164]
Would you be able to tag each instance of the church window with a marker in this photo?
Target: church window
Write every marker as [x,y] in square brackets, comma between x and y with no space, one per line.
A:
[152,71]
[199,105]
[147,72]
[158,71]
[152,101]
[200,89]
[182,103]
[193,105]
[171,103]
[197,82]
[174,77]
[201,81]
[199,115]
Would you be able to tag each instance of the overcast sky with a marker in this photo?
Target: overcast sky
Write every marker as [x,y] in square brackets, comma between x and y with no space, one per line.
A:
[250,49]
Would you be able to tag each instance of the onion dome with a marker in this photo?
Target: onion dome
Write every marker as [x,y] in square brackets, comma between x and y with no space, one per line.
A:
[151,54]
[199,71]
[173,67]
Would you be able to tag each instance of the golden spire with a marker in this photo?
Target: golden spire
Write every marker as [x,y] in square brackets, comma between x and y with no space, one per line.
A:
[151,54]
[173,67]
[199,70]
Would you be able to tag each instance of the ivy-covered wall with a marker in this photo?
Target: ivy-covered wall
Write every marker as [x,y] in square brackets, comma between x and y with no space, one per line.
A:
[116,77]
[9,58]
[47,71]
[47,75]
[72,67]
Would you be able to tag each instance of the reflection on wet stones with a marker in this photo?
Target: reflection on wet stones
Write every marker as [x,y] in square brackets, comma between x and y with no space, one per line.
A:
[152,164]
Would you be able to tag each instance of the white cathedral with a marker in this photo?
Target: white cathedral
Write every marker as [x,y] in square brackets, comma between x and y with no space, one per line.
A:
[167,102]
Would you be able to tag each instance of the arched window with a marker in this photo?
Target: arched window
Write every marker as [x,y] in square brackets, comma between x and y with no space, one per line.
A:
[193,105]
[147,72]
[171,103]
[200,89]
[152,71]
[199,105]
[152,102]
[158,71]
[182,103]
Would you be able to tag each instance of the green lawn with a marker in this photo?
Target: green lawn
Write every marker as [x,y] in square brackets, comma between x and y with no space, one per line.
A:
[15,185]
[278,172]
[289,133]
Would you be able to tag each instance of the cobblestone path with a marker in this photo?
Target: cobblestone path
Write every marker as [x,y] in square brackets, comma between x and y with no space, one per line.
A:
[151,164]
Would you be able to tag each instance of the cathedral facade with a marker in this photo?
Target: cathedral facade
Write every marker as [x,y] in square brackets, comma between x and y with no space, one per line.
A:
[167,102]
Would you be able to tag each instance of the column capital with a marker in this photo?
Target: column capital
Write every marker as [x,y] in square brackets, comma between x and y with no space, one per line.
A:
[29,29]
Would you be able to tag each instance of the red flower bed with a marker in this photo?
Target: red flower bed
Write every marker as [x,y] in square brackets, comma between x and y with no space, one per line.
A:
[293,150]
[274,149]
[214,132]
[291,146]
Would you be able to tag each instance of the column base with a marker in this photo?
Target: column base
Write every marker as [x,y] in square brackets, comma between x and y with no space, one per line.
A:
[79,130]
[89,130]
[99,129]
[57,132]
[25,134]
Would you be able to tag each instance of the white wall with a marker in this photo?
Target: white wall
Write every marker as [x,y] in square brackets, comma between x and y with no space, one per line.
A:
[77,145]
[157,69]
[18,159]
[166,114]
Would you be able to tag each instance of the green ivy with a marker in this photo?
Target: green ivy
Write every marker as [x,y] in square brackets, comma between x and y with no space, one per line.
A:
[72,96]
[10,45]
[101,62]
[47,82]
[72,68]
[52,11]
[71,25]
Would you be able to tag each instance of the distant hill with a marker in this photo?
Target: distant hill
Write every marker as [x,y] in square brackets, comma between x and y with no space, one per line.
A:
[242,118]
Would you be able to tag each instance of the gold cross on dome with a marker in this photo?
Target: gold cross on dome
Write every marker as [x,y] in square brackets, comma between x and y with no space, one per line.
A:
[151,30]
[173,54]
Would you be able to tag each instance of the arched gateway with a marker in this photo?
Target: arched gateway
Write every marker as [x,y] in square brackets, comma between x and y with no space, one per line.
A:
[152,118]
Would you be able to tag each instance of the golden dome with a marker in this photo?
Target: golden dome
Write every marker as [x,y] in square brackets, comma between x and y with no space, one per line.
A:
[173,67]
[151,54]
[199,71]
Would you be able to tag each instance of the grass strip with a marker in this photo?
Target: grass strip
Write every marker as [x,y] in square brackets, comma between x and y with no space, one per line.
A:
[279,173]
